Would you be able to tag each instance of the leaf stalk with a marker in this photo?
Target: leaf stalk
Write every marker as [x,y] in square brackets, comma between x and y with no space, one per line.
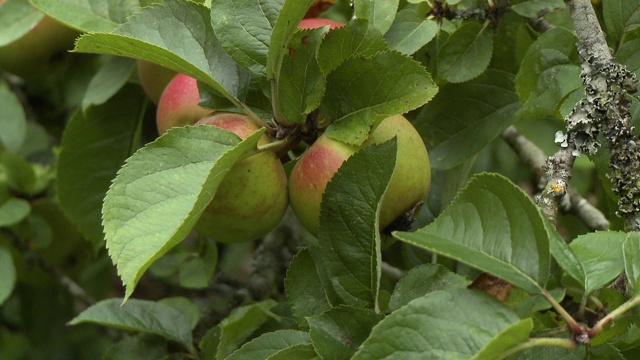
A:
[560,342]
[571,322]
[628,305]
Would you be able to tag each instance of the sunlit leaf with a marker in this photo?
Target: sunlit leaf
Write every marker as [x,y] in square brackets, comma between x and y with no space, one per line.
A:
[365,89]
[159,194]
[380,13]
[89,15]
[466,54]
[493,226]
[269,344]
[435,327]
[349,241]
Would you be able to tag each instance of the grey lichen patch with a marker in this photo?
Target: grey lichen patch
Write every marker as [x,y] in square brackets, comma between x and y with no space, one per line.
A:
[605,110]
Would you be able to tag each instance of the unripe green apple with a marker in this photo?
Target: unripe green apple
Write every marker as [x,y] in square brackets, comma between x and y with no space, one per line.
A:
[409,184]
[316,23]
[154,79]
[252,198]
[178,104]
[39,51]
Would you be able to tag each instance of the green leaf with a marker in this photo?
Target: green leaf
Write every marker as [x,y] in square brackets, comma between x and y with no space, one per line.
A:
[18,172]
[176,34]
[466,54]
[302,83]
[209,343]
[17,17]
[189,264]
[552,87]
[567,260]
[463,118]
[13,211]
[422,280]
[89,15]
[631,255]
[269,344]
[548,73]
[290,15]
[297,352]
[356,38]
[139,315]
[13,120]
[525,305]
[111,77]
[362,90]
[240,324]
[436,326]
[244,28]
[161,191]
[380,13]
[186,307]
[534,8]
[600,255]
[140,346]
[495,227]
[620,16]
[349,241]
[108,132]
[410,31]
[39,141]
[196,273]
[7,272]
[337,333]
[629,55]
[601,352]
[474,113]
[303,288]
[510,337]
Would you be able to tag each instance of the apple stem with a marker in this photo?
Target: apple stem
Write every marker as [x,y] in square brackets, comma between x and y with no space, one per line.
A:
[273,146]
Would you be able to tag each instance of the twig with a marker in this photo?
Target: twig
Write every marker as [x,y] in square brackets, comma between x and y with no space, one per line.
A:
[392,272]
[557,170]
[606,109]
[587,213]
[535,158]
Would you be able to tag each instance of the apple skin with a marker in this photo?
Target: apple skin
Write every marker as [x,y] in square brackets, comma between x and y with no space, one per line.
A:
[154,79]
[316,23]
[252,198]
[178,104]
[409,184]
[40,51]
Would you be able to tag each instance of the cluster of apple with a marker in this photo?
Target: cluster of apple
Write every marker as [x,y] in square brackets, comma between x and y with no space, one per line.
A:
[254,195]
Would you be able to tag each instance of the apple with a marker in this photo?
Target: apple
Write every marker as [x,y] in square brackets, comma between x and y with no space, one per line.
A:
[38,52]
[316,23]
[178,104]
[252,198]
[409,184]
[154,79]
